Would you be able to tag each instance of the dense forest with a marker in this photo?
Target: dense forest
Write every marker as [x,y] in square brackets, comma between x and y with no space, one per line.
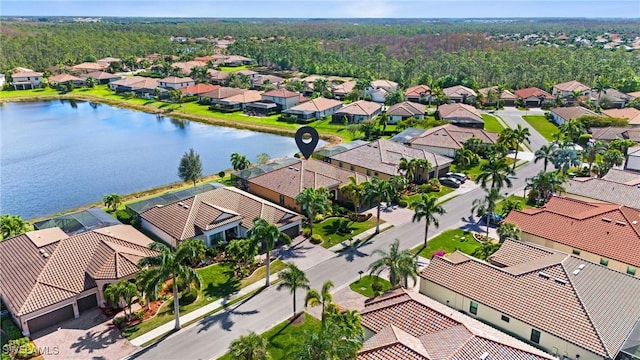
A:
[443,53]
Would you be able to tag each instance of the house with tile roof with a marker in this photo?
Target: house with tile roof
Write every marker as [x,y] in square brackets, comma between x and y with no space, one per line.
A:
[405,325]
[63,78]
[418,93]
[460,94]
[507,98]
[220,93]
[633,159]
[631,114]
[198,89]
[616,98]
[283,98]
[235,102]
[358,111]
[215,217]
[108,60]
[605,233]
[533,97]
[341,90]
[317,108]
[186,66]
[612,133]
[461,115]
[405,110]
[259,80]
[563,304]
[617,187]
[564,114]
[87,67]
[218,77]
[379,90]
[47,276]
[144,87]
[282,185]
[445,139]
[23,80]
[381,158]
[176,83]
[565,90]
[101,77]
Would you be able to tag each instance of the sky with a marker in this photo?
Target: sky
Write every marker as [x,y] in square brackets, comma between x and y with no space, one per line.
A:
[325,8]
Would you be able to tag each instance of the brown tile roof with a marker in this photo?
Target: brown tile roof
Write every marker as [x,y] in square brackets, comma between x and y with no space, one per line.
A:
[622,177]
[176,80]
[26,74]
[505,95]
[126,81]
[187,66]
[634,94]
[223,92]
[572,112]
[406,108]
[63,78]
[571,86]
[246,72]
[605,190]
[631,114]
[417,91]
[457,111]
[458,91]
[108,60]
[100,75]
[409,325]
[381,83]
[281,93]
[31,280]
[613,133]
[316,105]
[246,96]
[344,88]
[452,137]
[533,92]
[90,66]
[198,89]
[384,156]
[361,107]
[561,297]
[292,179]
[218,75]
[182,222]
[513,253]
[606,229]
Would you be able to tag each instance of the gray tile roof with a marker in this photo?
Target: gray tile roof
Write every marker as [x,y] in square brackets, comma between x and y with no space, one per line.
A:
[605,190]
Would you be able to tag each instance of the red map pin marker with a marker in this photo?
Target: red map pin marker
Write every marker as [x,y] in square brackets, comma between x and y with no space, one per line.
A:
[307,148]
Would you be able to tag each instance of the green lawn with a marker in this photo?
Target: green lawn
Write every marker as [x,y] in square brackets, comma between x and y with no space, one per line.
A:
[283,335]
[491,123]
[27,93]
[218,281]
[232,68]
[449,241]
[545,127]
[363,286]
[327,230]
[520,199]
[444,190]
[474,171]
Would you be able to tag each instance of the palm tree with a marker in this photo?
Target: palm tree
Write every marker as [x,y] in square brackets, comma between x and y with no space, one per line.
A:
[508,138]
[293,279]
[424,166]
[508,230]
[339,337]
[498,171]
[268,234]
[190,168]
[313,201]
[485,250]
[12,225]
[124,291]
[362,85]
[576,94]
[408,166]
[239,162]
[172,264]
[564,158]
[323,298]
[90,82]
[400,264]
[572,129]
[487,204]
[354,192]
[320,85]
[546,183]
[521,135]
[622,145]
[249,347]
[375,192]
[144,283]
[545,153]
[112,201]
[593,149]
[601,86]
[465,158]
[427,207]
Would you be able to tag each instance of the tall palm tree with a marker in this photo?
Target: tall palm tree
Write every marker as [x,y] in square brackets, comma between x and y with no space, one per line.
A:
[424,166]
[375,192]
[320,85]
[547,183]
[172,264]
[313,201]
[521,135]
[427,207]
[267,234]
[465,158]
[572,129]
[124,291]
[545,153]
[354,192]
[400,264]
[497,170]
[249,347]
[112,201]
[601,86]
[508,138]
[293,279]
[564,158]
[508,230]
[339,337]
[592,150]
[239,162]
[323,298]
[487,204]
[408,166]
[362,85]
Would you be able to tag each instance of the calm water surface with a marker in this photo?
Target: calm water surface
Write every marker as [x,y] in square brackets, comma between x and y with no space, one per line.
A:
[60,155]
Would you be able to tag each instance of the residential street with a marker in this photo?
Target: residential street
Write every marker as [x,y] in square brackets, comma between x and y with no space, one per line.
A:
[513,118]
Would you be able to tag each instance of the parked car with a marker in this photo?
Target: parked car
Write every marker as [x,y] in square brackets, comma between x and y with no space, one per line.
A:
[492,219]
[458,176]
[450,182]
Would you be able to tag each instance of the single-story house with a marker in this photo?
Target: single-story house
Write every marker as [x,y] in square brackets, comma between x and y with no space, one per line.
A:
[176,83]
[565,90]
[403,324]
[461,115]
[220,93]
[617,98]
[341,90]
[381,159]
[215,217]
[107,61]
[560,303]
[460,94]
[47,276]
[63,78]
[616,187]
[144,87]
[631,114]
[259,80]
[282,185]
[87,67]
[446,139]
[533,97]
[283,98]
[198,89]
[186,66]
[379,89]
[633,159]
[419,94]
[507,98]
[317,108]
[325,153]
[308,83]
[101,77]
[236,102]
[612,133]
[358,111]
[218,77]
[378,95]
[404,110]
[236,60]
[248,73]
[564,114]
[26,80]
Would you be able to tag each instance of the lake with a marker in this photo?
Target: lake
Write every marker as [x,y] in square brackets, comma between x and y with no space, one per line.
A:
[58,155]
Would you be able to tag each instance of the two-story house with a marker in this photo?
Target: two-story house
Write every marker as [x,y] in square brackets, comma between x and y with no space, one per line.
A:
[26,80]
[176,83]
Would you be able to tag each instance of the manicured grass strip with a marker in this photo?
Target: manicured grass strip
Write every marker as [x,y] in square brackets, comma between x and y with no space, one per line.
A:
[364,285]
[449,241]
[545,127]
[444,190]
[327,230]
[491,123]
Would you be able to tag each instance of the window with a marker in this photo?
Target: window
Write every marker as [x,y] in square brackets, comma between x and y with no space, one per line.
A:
[604,261]
[352,167]
[281,199]
[368,172]
[215,238]
[631,270]
[576,252]
[375,173]
[535,336]
[504,318]
[473,308]
[340,164]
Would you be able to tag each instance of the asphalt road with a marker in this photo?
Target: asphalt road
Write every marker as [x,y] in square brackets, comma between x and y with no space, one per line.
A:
[513,118]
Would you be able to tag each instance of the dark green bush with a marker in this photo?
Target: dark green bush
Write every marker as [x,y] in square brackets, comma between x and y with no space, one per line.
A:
[402,203]
[221,174]
[123,216]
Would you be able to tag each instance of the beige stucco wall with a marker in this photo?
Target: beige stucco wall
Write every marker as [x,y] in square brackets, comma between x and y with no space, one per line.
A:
[436,150]
[157,232]
[548,342]
[273,196]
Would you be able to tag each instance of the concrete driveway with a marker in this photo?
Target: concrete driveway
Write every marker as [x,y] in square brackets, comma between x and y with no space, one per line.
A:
[91,336]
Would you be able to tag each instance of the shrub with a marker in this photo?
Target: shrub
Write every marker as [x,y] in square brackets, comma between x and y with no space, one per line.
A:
[439,253]
[306,232]
[318,218]
[402,203]
[316,239]
[221,174]
[26,351]
[123,216]
[591,121]
[138,315]
[119,322]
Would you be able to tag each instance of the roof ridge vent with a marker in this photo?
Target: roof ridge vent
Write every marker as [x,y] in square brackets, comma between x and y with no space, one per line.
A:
[581,266]
[561,281]
[576,272]
[181,203]
[606,219]
[544,275]
[41,251]
[621,223]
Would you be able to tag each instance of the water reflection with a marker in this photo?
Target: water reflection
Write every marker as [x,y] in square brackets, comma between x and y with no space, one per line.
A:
[179,123]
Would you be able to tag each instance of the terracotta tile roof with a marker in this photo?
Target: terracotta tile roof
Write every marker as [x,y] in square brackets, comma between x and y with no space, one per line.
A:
[613,133]
[31,280]
[505,95]
[218,75]
[460,113]
[605,190]
[187,66]
[381,83]
[198,89]
[108,60]
[126,81]
[91,66]
[572,112]
[533,92]
[612,94]
[223,92]
[176,80]
[344,88]
[182,219]
[408,325]
[361,107]
[417,91]
[604,229]
[554,296]
[22,74]
[244,97]
[406,108]
[315,105]
[384,156]
[281,93]
[63,78]
[452,137]
[100,75]
[513,253]
[631,114]
[459,91]
[571,86]
[20,69]
[634,94]
[246,72]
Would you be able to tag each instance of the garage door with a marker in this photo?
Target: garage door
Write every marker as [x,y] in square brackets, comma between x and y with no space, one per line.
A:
[51,318]
[88,302]
[293,231]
